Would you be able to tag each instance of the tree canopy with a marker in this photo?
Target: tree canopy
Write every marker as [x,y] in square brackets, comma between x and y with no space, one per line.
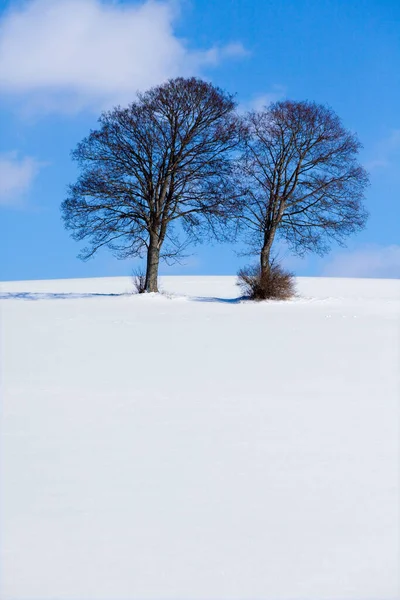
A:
[300,179]
[165,159]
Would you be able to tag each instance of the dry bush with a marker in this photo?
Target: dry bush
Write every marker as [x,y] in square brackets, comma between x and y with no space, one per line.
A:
[139,281]
[275,284]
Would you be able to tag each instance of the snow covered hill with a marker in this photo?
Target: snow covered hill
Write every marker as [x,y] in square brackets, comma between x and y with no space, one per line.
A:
[190,446]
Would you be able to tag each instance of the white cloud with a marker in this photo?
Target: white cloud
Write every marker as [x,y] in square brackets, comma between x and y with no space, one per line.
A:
[260,101]
[16,177]
[369,261]
[75,54]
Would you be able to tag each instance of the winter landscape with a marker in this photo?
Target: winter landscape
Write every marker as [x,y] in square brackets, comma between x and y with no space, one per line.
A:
[190,445]
[199,300]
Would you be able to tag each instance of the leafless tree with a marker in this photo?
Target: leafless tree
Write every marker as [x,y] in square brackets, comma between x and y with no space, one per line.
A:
[164,160]
[300,179]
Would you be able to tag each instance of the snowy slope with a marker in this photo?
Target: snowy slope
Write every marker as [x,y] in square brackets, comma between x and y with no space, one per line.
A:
[194,447]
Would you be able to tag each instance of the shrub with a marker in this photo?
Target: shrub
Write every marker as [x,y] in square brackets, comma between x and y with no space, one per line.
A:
[139,281]
[274,284]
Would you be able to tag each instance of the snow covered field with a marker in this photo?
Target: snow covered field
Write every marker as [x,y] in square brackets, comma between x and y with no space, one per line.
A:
[196,447]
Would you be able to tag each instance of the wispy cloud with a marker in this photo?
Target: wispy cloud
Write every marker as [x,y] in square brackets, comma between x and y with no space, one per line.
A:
[68,55]
[368,261]
[16,177]
[215,55]
[385,151]
[260,101]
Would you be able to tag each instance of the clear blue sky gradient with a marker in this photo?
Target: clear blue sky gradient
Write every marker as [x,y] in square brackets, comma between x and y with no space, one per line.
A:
[343,53]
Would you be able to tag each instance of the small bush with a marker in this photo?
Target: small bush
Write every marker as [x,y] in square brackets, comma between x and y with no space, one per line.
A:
[274,284]
[139,281]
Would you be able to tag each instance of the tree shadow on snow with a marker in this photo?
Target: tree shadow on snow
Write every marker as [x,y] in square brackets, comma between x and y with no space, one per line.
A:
[55,295]
[34,296]
[219,300]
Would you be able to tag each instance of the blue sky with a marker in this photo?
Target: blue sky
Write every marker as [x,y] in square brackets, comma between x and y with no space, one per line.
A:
[63,61]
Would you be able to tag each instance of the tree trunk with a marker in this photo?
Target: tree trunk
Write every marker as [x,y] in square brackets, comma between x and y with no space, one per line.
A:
[153,260]
[266,251]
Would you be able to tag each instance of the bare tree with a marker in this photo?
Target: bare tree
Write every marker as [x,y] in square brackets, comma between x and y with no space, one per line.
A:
[166,159]
[300,179]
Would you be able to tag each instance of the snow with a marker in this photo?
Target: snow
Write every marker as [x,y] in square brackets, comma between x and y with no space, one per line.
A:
[192,446]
